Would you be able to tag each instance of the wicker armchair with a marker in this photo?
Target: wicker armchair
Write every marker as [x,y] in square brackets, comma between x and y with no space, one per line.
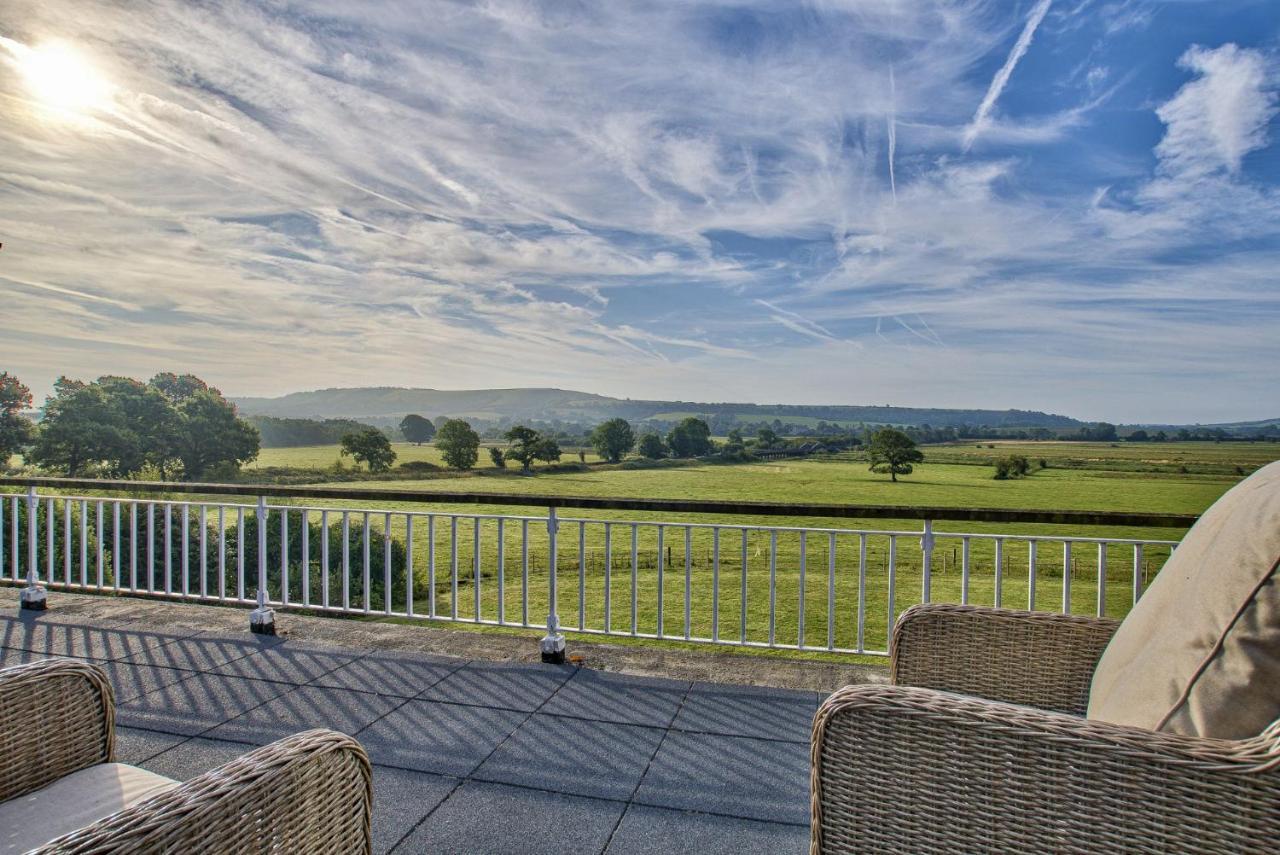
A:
[979,745]
[311,792]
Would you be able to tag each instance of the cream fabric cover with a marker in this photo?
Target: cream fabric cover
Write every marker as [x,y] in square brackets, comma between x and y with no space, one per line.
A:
[73,802]
[1200,652]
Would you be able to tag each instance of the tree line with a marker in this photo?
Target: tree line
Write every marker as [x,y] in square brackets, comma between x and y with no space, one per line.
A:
[174,426]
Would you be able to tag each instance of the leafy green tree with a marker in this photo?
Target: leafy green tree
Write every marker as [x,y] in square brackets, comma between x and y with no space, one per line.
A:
[369,446]
[890,450]
[459,445]
[613,439]
[652,447]
[766,438]
[528,445]
[152,423]
[417,429]
[499,459]
[82,428]
[15,428]
[210,434]
[690,438]
[179,387]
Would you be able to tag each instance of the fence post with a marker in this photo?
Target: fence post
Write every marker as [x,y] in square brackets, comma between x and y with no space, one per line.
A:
[553,641]
[33,596]
[926,547]
[262,620]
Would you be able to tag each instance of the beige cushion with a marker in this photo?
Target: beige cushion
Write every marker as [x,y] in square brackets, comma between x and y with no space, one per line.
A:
[73,802]
[1200,652]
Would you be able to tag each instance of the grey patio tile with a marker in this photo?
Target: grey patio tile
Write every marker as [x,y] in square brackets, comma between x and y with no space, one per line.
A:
[496,819]
[644,830]
[195,704]
[10,656]
[290,662]
[619,697]
[733,775]
[585,758]
[203,652]
[511,686]
[137,746]
[401,675]
[449,739]
[748,711]
[304,709]
[400,800]
[194,757]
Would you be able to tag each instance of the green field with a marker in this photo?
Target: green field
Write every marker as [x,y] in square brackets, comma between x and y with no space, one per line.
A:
[327,456]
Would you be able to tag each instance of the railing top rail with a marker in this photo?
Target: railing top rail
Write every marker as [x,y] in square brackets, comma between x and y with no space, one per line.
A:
[683,506]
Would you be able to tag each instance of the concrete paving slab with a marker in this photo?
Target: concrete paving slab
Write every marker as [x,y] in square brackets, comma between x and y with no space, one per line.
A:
[448,739]
[400,800]
[646,830]
[403,675]
[303,709]
[197,703]
[292,662]
[501,685]
[748,711]
[619,697]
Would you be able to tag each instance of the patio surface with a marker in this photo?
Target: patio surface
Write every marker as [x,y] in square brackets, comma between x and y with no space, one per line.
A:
[469,755]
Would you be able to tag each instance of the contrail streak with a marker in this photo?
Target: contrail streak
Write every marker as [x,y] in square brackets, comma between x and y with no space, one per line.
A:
[1006,71]
[893,132]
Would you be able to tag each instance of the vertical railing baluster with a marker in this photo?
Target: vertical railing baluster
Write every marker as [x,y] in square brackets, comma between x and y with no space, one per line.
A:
[366,575]
[304,559]
[185,541]
[999,571]
[804,560]
[66,540]
[742,594]
[582,575]
[84,543]
[346,561]
[431,565]
[240,553]
[831,591]
[387,603]
[1031,576]
[222,552]
[324,559]
[453,567]
[502,574]
[408,565]
[100,569]
[167,540]
[635,566]
[893,573]
[964,571]
[524,572]
[608,578]
[862,591]
[475,570]
[33,596]
[926,562]
[688,579]
[262,619]
[151,548]
[1102,579]
[204,551]
[715,583]
[1066,577]
[284,556]
[661,573]
[4,567]
[773,584]
[48,540]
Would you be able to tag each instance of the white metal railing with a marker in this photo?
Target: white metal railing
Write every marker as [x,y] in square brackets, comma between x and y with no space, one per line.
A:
[779,586]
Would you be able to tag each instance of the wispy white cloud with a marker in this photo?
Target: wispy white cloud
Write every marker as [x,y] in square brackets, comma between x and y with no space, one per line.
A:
[1001,79]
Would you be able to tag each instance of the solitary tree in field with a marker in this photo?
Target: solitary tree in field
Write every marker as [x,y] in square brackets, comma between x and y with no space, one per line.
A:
[15,428]
[499,459]
[892,451]
[528,445]
[652,447]
[613,439]
[690,438]
[459,445]
[369,446]
[417,429]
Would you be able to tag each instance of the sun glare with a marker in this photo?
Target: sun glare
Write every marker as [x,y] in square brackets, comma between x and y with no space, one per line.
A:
[60,77]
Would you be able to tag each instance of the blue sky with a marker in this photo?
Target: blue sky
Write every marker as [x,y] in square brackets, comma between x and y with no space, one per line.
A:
[1071,205]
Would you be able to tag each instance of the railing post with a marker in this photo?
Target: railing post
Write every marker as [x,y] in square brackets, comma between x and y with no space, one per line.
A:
[262,620]
[33,596]
[926,548]
[553,641]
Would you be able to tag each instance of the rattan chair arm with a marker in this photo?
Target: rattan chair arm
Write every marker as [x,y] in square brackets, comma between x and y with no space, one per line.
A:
[57,716]
[910,769]
[311,792]
[1038,659]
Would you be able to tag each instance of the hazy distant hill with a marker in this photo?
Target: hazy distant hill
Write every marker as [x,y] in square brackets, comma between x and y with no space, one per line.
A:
[383,404]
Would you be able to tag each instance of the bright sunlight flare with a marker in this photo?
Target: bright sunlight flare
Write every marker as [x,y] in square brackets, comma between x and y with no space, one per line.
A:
[59,76]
